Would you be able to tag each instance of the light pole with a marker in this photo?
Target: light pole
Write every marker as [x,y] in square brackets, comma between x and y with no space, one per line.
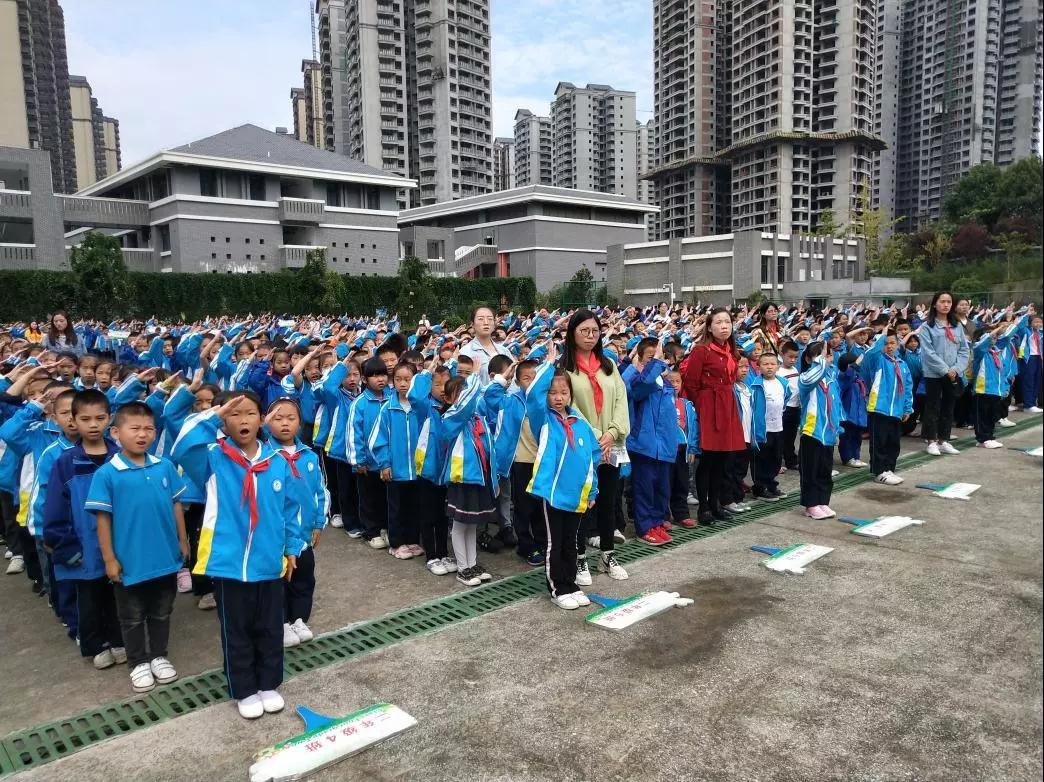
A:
[668,287]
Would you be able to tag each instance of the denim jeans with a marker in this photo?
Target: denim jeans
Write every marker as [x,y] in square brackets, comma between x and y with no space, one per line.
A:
[146,607]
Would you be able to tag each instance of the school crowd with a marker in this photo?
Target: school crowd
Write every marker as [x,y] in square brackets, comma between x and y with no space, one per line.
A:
[139,460]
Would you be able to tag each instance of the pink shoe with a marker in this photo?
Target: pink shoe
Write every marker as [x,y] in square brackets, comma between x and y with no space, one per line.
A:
[827,511]
[815,512]
[416,550]
[401,552]
[184,580]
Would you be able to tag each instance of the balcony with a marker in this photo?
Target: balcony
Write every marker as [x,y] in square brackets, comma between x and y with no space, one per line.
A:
[301,210]
[15,204]
[294,256]
[17,256]
[104,212]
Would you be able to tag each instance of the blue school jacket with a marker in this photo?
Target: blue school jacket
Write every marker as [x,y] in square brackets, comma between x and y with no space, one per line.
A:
[227,546]
[565,471]
[305,396]
[313,516]
[22,434]
[259,379]
[889,380]
[362,419]
[912,359]
[41,477]
[508,409]
[690,435]
[430,453]
[393,441]
[175,412]
[989,366]
[759,428]
[331,431]
[821,409]
[69,529]
[465,438]
[653,415]
[854,393]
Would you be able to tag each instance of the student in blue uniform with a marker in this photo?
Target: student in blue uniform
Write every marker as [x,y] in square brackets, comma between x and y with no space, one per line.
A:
[770,398]
[821,418]
[141,534]
[362,418]
[991,382]
[889,403]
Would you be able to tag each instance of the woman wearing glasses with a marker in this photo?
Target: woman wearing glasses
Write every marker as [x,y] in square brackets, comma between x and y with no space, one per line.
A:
[600,395]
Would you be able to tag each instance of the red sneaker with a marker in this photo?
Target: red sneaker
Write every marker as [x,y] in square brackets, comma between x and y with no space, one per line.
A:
[663,535]
[687,523]
[652,538]
[666,526]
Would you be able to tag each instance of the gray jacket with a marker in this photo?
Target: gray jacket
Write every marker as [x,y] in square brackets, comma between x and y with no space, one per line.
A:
[939,353]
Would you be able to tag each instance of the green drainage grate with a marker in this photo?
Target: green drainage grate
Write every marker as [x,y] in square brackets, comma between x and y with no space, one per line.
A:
[32,747]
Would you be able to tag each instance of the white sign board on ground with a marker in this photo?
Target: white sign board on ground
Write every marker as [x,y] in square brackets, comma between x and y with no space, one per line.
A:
[327,740]
[793,559]
[618,614]
[880,527]
[952,491]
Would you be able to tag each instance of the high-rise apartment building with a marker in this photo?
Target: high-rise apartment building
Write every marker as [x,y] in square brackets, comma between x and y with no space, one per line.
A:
[959,84]
[533,149]
[503,163]
[645,154]
[96,138]
[764,113]
[34,85]
[406,88]
[307,104]
[595,139]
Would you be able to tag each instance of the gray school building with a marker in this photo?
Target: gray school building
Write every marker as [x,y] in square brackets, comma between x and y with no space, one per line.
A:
[547,233]
[245,200]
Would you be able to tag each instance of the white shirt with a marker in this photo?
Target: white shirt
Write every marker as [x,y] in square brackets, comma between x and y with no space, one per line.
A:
[745,409]
[481,355]
[790,377]
[773,406]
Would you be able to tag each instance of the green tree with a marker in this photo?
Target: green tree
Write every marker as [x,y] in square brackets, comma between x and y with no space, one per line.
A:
[101,278]
[1015,246]
[1020,192]
[937,250]
[894,256]
[827,225]
[973,198]
[871,224]
[414,286]
[968,286]
[579,289]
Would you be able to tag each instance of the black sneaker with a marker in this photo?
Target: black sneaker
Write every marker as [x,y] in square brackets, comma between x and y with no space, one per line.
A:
[719,514]
[705,517]
[487,542]
[481,572]
[778,493]
[766,495]
[507,536]
[468,577]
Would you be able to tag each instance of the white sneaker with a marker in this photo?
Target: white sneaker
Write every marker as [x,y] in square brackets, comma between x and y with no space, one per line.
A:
[692,499]
[948,449]
[16,566]
[889,478]
[855,463]
[933,449]
[207,602]
[378,542]
[1035,409]
[104,660]
[1007,423]
[436,567]
[141,678]
[594,541]
[618,536]
[289,636]
[450,564]
[119,654]
[384,536]
[607,564]
[991,444]
[834,473]
[251,708]
[271,701]
[163,671]
[8,554]
[568,602]
[734,507]
[336,521]
[302,630]
[583,572]
[581,599]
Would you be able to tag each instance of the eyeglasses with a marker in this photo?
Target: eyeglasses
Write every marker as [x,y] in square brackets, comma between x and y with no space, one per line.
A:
[589,332]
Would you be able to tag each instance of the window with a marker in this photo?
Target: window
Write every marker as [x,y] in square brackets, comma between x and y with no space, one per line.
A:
[260,241]
[213,256]
[333,194]
[248,256]
[247,240]
[233,185]
[228,256]
[262,256]
[213,238]
[256,183]
[208,182]
[164,237]
[228,239]
[373,198]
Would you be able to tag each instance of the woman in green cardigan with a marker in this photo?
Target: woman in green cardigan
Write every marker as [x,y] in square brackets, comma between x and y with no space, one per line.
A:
[600,395]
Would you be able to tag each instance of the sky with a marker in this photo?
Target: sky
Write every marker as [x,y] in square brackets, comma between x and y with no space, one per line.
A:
[173,72]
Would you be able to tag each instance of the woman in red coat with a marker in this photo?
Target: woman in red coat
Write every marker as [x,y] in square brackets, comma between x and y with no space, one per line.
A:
[709,378]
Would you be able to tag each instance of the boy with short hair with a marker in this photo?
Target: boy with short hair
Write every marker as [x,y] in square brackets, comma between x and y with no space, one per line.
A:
[770,396]
[688,450]
[788,372]
[71,531]
[141,534]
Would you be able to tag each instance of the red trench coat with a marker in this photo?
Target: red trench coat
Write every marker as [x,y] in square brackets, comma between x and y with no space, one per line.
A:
[709,386]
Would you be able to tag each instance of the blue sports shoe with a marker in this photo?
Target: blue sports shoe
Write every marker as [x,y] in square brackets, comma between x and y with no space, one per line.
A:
[536,559]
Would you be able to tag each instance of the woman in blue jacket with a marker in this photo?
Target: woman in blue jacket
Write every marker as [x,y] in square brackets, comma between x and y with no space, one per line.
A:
[944,359]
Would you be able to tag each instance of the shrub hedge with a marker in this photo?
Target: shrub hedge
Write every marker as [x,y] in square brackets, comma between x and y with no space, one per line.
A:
[32,294]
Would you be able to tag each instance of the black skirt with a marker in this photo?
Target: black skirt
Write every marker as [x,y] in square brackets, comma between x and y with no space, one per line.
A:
[469,503]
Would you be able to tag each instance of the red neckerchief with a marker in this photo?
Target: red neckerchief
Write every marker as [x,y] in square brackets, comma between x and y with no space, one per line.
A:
[292,459]
[730,360]
[898,374]
[949,334]
[862,385]
[679,405]
[590,366]
[1036,339]
[478,429]
[564,420]
[995,355]
[249,489]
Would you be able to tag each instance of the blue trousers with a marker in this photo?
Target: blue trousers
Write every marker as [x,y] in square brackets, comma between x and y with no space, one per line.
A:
[850,443]
[651,484]
[1030,375]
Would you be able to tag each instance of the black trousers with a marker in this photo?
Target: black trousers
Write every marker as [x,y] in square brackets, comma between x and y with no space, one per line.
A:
[526,511]
[885,435]
[373,503]
[299,590]
[431,500]
[989,409]
[791,422]
[918,410]
[710,477]
[816,463]
[964,407]
[329,468]
[736,467]
[201,585]
[348,494]
[602,517]
[144,610]
[940,394]
[403,509]
[767,461]
[560,565]
[251,618]
[679,504]
[9,517]
[30,555]
[97,620]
